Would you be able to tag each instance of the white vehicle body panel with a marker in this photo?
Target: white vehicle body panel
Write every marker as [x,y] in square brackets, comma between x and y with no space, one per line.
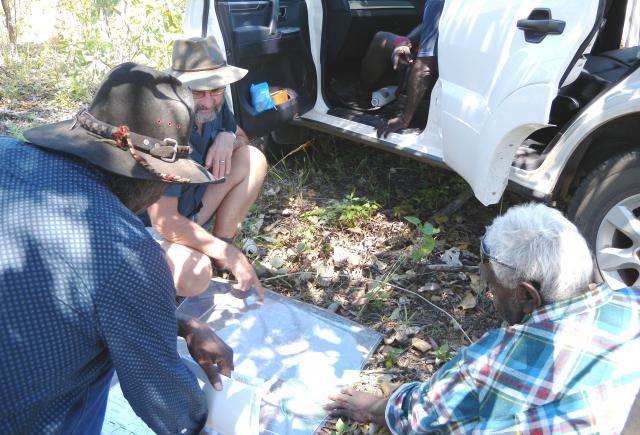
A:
[620,100]
[496,87]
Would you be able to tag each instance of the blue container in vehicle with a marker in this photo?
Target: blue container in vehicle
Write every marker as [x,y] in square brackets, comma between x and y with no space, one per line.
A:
[260,97]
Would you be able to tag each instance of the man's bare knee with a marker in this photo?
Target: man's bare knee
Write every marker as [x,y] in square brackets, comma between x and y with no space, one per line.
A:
[191,269]
[194,277]
[251,161]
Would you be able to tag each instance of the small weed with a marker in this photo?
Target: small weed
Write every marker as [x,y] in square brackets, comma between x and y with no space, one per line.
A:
[14,131]
[349,212]
[391,356]
[436,331]
[442,354]
[426,243]
[343,428]
[293,180]
[377,299]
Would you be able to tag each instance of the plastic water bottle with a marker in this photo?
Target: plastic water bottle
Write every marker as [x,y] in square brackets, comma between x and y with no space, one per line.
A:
[383,96]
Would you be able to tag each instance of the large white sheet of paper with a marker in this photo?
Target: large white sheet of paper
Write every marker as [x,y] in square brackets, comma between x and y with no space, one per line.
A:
[302,352]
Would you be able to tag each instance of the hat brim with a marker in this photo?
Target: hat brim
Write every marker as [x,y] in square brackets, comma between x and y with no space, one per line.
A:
[210,78]
[63,137]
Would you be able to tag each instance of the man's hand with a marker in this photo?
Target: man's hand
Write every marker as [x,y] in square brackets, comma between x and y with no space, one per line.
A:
[391,126]
[218,158]
[358,406]
[246,277]
[207,349]
[401,55]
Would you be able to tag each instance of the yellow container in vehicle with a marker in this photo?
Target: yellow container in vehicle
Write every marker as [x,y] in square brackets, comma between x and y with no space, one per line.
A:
[279,96]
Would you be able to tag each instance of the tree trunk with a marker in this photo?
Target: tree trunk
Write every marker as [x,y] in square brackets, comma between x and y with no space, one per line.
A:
[10,22]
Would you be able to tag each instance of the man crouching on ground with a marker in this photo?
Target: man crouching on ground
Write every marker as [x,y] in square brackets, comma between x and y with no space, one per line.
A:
[568,363]
[223,148]
[85,289]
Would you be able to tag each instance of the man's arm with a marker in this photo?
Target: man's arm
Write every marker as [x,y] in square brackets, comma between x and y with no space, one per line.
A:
[414,35]
[421,407]
[136,320]
[176,228]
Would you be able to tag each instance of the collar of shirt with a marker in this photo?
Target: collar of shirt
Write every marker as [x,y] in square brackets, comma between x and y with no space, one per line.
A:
[587,301]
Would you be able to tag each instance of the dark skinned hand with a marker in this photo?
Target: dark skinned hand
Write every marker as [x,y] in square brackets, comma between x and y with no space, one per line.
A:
[209,351]
[391,126]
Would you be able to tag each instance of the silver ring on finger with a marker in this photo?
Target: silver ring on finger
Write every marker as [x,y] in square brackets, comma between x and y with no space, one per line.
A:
[220,161]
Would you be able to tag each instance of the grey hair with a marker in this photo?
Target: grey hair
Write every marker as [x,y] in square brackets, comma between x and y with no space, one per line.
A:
[544,247]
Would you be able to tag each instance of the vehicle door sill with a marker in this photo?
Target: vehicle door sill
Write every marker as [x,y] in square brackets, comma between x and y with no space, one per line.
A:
[372,141]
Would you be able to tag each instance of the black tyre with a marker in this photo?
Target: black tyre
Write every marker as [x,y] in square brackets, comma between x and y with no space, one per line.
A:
[606,209]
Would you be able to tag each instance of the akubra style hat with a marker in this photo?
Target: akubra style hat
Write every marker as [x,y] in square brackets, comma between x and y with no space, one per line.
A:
[138,126]
[199,64]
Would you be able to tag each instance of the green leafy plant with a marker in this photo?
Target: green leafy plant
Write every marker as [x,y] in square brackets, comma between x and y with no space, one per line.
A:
[377,299]
[344,428]
[349,212]
[426,242]
[391,356]
[442,354]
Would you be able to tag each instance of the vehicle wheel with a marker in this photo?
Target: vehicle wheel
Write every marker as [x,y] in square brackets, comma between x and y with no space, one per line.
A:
[606,209]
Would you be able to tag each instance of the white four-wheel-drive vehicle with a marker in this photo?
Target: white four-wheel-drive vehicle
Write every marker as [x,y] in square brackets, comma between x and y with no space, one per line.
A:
[537,95]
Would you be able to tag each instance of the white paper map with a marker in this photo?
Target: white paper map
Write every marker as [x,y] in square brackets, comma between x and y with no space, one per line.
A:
[303,353]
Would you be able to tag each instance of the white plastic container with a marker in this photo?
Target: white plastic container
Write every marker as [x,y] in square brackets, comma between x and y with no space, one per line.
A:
[383,96]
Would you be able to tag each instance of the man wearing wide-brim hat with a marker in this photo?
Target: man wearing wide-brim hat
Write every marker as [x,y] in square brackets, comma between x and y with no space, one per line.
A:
[223,148]
[85,289]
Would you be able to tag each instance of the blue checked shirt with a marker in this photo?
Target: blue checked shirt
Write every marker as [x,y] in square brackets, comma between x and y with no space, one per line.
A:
[84,290]
[570,367]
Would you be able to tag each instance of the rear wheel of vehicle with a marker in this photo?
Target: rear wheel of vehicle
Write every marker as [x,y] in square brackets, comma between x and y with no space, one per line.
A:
[606,209]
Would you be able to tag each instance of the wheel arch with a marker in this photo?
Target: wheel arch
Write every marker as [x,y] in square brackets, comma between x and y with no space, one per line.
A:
[617,136]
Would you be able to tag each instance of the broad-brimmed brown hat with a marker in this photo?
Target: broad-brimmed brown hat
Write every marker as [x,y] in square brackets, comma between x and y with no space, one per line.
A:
[199,64]
[138,125]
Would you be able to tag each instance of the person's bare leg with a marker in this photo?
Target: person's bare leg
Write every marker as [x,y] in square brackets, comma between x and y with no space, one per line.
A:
[358,406]
[422,77]
[377,60]
[231,200]
[191,269]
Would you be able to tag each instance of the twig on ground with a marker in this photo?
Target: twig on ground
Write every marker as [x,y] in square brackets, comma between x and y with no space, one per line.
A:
[454,205]
[443,311]
[295,150]
[446,268]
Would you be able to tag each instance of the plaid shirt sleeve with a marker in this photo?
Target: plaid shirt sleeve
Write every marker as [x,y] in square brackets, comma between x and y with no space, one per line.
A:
[429,406]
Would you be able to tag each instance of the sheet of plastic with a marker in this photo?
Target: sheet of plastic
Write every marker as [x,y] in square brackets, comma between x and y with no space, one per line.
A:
[302,352]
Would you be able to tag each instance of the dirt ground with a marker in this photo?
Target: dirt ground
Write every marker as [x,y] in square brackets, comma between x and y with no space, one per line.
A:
[330,229]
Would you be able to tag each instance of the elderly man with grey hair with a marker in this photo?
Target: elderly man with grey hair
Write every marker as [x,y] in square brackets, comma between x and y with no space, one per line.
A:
[566,364]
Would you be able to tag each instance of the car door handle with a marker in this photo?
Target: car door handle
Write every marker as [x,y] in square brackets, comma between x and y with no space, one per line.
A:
[539,24]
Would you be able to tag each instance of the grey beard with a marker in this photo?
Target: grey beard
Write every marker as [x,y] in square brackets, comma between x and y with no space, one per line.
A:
[200,119]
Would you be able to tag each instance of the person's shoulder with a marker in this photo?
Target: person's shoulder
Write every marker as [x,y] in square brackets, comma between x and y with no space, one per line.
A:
[491,339]
[626,299]
[631,293]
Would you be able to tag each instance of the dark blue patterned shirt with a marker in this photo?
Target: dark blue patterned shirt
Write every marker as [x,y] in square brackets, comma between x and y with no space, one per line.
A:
[84,290]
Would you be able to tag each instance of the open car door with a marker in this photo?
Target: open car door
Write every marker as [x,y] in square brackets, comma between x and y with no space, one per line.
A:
[270,38]
[501,64]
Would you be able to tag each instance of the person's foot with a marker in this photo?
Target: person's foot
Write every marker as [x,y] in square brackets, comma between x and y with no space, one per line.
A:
[358,406]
